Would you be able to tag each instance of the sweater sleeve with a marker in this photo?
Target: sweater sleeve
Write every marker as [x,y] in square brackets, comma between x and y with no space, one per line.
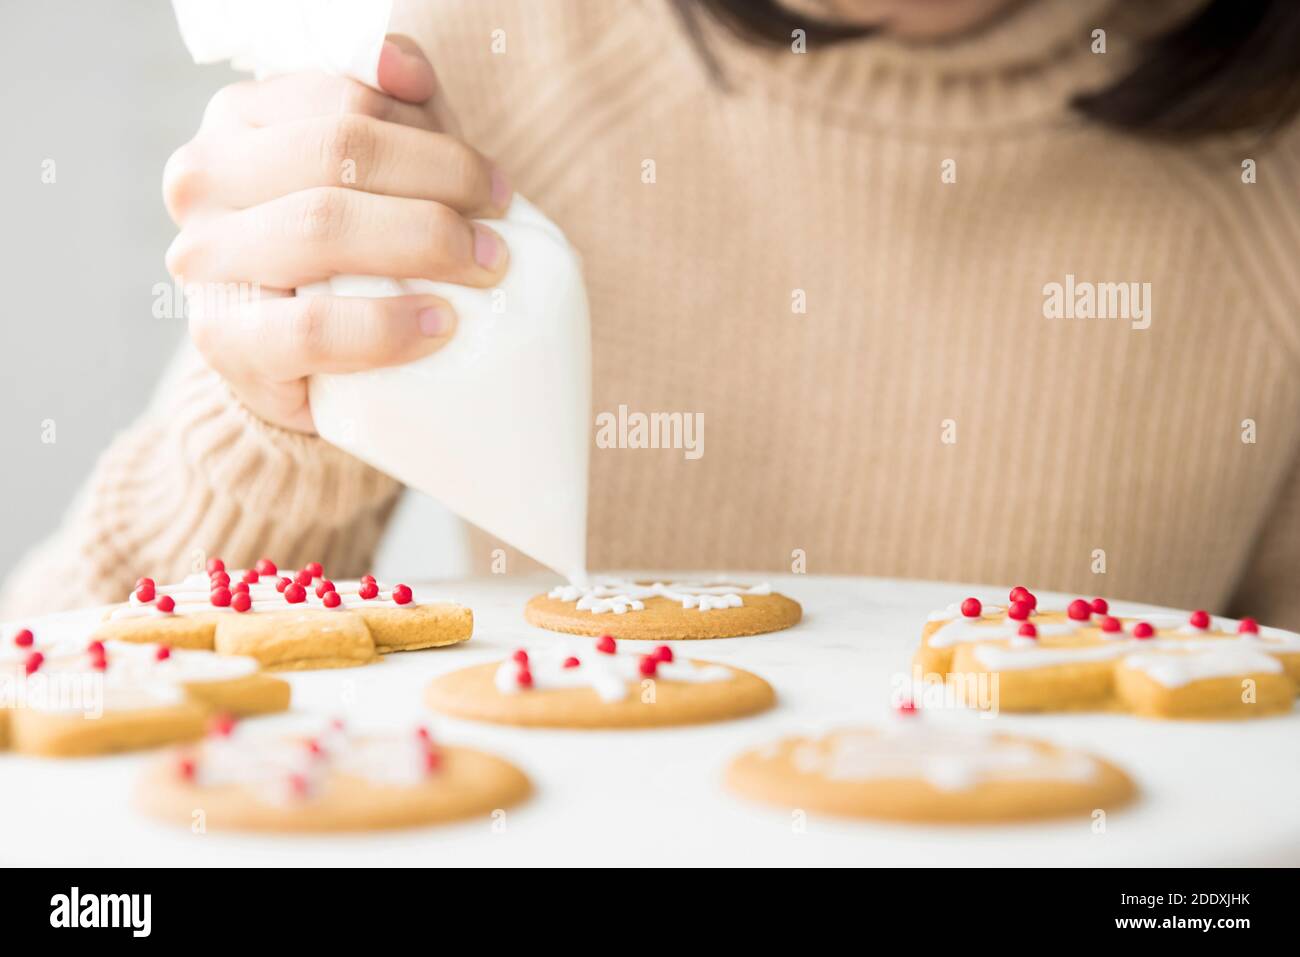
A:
[198,475]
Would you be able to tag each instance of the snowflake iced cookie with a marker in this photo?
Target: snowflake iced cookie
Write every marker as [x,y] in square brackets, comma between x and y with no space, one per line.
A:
[658,611]
[909,771]
[319,776]
[599,686]
[287,622]
[1015,656]
[73,698]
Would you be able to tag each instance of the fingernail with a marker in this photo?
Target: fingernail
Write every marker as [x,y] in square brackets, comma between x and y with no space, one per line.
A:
[500,189]
[435,320]
[487,247]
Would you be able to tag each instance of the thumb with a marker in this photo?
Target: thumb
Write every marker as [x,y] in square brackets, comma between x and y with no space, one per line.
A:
[406,73]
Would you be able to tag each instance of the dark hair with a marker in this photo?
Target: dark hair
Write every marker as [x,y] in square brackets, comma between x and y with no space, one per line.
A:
[1234,65]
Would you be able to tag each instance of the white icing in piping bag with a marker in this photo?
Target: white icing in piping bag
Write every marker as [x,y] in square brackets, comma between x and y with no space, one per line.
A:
[495,424]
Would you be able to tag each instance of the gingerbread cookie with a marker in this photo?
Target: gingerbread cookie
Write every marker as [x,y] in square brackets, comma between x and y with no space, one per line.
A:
[74,698]
[325,778]
[911,772]
[1015,656]
[287,623]
[582,686]
[655,611]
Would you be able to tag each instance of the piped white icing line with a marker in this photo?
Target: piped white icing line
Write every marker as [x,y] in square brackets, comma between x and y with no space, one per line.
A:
[620,597]
[1224,659]
[947,760]
[284,769]
[193,595]
[611,676]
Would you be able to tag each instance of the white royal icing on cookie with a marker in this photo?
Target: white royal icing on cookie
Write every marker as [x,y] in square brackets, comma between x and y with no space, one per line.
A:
[1221,659]
[948,761]
[611,676]
[621,597]
[133,676]
[284,769]
[193,596]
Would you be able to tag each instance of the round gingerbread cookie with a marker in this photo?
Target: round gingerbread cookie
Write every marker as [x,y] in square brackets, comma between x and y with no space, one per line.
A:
[659,611]
[326,779]
[911,772]
[583,685]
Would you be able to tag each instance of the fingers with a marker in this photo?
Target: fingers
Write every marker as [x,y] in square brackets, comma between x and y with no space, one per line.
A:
[406,73]
[276,339]
[252,166]
[280,99]
[317,233]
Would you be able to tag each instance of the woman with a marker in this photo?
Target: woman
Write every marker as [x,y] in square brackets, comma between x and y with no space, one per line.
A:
[977,289]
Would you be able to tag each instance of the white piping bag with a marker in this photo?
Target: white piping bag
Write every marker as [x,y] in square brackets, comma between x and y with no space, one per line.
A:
[495,424]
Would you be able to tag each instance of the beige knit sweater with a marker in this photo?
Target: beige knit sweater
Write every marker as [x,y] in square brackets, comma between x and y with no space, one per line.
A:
[919,416]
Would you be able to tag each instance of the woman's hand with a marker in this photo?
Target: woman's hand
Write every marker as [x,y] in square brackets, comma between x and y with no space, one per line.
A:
[299,178]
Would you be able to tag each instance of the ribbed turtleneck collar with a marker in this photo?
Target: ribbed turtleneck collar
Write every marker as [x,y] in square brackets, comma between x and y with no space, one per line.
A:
[1023,67]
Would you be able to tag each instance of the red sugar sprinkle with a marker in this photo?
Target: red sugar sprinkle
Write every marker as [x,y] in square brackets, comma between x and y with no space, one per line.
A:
[908,708]
[663,653]
[145,594]
[241,601]
[401,594]
[251,577]
[303,578]
[423,734]
[1019,593]
[163,653]
[331,599]
[282,584]
[648,666]
[1028,630]
[369,578]
[96,648]
[1110,624]
[239,587]
[605,644]
[215,565]
[1079,610]
[1019,610]
[185,769]
[143,582]
[1100,606]
[971,608]
[33,662]
[166,604]
[314,569]
[368,590]
[265,566]
[323,586]
[520,656]
[220,596]
[1248,626]
[295,594]
[99,662]
[221,725]
[1143,630]
[524,678]
[25,638]
[1200,619]
[432,760]
[571,662]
